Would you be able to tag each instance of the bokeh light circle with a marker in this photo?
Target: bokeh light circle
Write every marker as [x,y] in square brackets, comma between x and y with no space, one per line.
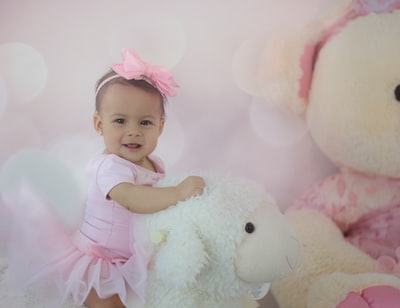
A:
[23,70]
[76,151]
[158,38]
[172,142]
[3,96]
[276,126]
[245,65]
[49,177]
[17,132]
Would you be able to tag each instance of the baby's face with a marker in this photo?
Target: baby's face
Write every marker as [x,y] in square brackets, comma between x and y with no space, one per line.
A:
[130,120]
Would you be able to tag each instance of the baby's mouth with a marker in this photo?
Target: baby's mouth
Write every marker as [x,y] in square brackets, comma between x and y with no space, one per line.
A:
[132,145]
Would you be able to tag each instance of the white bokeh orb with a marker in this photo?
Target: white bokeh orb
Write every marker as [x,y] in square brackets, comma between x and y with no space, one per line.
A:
[172,141]
[75,151]
[245,65]
[159,38]
[276,126]
[3,96]
[23,70]
[49,177]
[17,132]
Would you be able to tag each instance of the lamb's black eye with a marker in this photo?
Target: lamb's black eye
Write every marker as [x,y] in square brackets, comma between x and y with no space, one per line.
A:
[397,92]
[249,228]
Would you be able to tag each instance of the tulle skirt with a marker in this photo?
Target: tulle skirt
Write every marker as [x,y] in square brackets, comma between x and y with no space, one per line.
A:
[60,264]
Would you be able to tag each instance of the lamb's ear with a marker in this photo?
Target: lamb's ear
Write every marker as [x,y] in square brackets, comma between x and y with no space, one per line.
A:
[181,257]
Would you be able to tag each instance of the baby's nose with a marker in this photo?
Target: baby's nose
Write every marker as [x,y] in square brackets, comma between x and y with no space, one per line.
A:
[133,130]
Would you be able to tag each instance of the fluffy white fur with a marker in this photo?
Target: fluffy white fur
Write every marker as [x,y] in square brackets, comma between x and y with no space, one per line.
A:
[207,258]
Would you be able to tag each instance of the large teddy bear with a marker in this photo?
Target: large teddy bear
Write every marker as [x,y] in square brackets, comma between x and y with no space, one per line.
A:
[342,73]
[220,249]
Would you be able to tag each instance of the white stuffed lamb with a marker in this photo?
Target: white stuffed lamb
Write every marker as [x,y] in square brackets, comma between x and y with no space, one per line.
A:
[216,249]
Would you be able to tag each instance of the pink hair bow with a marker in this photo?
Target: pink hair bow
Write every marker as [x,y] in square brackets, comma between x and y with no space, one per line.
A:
[133,67]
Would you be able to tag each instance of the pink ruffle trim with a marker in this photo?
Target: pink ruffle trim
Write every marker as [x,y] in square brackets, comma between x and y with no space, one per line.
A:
[59,264]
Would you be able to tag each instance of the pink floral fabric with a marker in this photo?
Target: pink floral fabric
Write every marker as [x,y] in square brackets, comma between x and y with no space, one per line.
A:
[366,209]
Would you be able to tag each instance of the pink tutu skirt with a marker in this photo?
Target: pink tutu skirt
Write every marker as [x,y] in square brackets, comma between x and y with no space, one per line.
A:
[61,264]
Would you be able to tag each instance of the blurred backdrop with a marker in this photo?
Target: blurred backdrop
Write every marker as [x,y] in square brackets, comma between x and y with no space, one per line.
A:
[53,52]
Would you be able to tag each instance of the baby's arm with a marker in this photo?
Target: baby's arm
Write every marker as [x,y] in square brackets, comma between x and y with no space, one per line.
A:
[146,199]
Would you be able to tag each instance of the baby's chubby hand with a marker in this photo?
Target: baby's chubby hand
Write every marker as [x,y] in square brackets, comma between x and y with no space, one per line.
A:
[190,186]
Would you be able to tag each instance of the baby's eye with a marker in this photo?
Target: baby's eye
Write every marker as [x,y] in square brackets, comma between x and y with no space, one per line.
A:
[145,122]
[119,121]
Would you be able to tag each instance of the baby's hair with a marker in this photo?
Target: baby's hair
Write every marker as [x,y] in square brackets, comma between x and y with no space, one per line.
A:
[141,84]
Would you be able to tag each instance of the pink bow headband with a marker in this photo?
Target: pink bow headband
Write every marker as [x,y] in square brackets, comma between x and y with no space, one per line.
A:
[133,67]
[359,8]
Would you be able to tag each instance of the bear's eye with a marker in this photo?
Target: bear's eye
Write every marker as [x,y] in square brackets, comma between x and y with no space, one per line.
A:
[249,227]
[397,92]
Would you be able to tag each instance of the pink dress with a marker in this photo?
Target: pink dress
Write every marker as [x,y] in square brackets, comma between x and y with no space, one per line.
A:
[109,252]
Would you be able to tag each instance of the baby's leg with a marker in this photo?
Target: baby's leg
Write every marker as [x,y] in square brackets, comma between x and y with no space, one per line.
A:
[94,301]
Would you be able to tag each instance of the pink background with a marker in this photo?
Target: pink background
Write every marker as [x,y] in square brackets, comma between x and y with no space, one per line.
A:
[52,53]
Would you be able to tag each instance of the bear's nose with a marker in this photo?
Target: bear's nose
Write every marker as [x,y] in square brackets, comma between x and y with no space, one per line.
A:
[397,93]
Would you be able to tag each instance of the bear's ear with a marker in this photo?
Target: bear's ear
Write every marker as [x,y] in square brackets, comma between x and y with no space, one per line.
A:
[288,60]
[286,69]
[181,257]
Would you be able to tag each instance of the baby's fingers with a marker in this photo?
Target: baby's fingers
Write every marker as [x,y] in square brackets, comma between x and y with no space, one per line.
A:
[199,185]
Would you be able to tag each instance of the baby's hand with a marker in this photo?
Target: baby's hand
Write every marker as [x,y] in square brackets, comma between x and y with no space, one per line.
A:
[191,186]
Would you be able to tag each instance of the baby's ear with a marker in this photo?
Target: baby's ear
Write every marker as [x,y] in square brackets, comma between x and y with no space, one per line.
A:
[161,127]
[97,123]
[181,257]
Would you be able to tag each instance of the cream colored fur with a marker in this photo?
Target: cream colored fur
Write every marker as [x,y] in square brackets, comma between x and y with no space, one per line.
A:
[354,119]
